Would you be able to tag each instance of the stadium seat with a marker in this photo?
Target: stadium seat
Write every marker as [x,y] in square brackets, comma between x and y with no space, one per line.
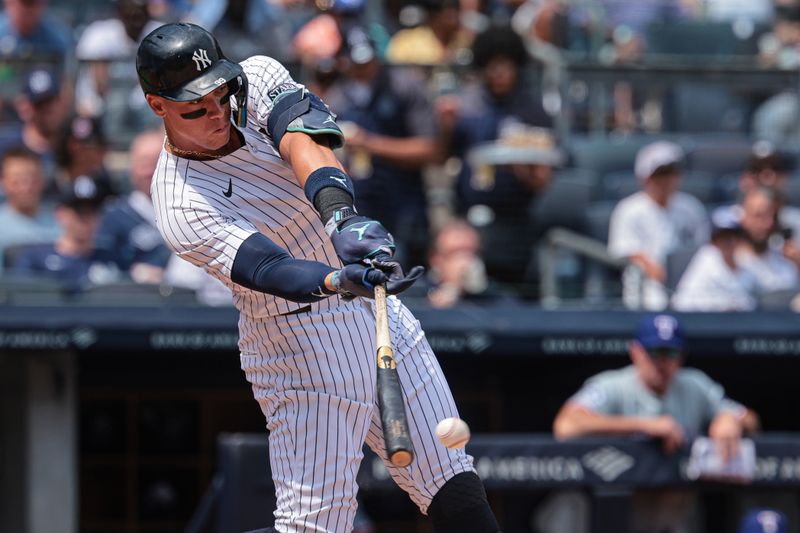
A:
[128,293]
[677,261]
[614,186]
[719,156]
[779,300]
[30,290]
[792,191]
[701,108]
[701,185]
[702,39]
[728,187]
[564,202]
[606,154]
[598,215]
[12,253]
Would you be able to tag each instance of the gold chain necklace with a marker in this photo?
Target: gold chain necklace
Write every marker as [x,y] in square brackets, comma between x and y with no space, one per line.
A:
[201,156]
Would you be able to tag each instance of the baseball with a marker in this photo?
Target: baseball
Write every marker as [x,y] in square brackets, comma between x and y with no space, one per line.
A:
[453,432]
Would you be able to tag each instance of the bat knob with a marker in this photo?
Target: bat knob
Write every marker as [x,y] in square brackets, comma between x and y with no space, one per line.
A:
[401,458]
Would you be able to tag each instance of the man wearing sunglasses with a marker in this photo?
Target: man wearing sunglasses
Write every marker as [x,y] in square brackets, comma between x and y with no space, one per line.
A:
[656,396]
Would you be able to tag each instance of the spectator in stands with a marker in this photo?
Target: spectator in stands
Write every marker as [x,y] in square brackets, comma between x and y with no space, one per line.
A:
[775,119]
[322,37]
[768,167]
[208,289]
[73,258]
[439,40]
[779,48]
[457,273]
[27,34]
[248,27]
[23,218]
[104,42]
[763,255]
[391,134]
[713,281]
[542,21]
[81,148]
[127,228]
[496,198]
[41,107]
[647,225]
[656,397]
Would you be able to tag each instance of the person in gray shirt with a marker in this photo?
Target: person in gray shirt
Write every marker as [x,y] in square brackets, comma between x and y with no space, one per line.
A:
[657,397]
[24,218]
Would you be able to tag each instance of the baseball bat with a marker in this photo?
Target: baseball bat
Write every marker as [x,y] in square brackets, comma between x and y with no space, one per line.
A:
[390,398]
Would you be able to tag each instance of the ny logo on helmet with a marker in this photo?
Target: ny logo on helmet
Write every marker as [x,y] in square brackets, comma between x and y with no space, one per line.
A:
[200,58]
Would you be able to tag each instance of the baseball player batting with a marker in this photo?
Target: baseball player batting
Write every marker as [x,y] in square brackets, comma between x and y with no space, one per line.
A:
[248,188]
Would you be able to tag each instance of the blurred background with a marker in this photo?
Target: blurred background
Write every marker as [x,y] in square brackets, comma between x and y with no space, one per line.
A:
[560,166]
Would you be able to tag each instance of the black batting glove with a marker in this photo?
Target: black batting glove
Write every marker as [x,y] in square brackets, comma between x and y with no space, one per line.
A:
[398,282]
[357,280]
[359,239]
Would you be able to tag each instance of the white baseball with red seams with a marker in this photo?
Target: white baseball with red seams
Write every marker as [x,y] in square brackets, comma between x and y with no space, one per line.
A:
[453,432]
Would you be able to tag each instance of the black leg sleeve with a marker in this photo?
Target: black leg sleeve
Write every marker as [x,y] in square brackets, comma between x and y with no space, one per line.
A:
[461,506]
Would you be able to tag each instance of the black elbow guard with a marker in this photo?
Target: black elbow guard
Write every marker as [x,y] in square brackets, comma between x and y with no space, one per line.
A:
[301,110]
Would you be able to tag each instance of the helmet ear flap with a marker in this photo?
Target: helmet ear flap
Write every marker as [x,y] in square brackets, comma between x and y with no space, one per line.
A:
[238,91]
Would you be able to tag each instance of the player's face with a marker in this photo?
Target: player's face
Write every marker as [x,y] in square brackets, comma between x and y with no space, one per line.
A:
[201,125]
[656,368]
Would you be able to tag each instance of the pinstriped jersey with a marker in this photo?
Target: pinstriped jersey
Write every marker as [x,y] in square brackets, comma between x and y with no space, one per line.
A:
[206,209]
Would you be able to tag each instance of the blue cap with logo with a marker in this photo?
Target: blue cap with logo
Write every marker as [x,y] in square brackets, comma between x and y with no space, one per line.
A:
[40,85]
[660,331]
[764,521]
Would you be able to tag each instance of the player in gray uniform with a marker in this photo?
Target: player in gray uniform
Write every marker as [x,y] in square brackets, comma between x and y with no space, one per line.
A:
[656,397]
[248,188]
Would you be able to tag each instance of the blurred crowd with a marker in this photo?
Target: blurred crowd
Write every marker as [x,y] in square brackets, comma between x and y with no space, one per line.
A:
[468,136]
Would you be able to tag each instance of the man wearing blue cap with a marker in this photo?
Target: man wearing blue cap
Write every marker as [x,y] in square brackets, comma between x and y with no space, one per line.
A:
[41,107]
[657,397]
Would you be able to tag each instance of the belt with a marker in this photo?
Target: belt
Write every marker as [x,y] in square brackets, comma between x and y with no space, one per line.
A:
[298,311]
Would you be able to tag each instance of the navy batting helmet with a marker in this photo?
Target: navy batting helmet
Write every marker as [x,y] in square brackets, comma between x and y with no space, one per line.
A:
[183,62]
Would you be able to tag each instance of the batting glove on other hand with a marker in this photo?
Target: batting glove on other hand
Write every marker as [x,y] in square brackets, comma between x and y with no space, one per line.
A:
[357,280]
[398,282]
[359,239]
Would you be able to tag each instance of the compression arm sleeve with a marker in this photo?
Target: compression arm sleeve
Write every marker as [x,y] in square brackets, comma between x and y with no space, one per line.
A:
[262,265]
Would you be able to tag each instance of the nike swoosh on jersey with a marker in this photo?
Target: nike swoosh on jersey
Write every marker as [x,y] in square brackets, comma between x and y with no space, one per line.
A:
[229,192]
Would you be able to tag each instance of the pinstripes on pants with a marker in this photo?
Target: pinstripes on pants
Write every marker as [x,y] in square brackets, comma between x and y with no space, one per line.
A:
[312,373]
[315,382]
